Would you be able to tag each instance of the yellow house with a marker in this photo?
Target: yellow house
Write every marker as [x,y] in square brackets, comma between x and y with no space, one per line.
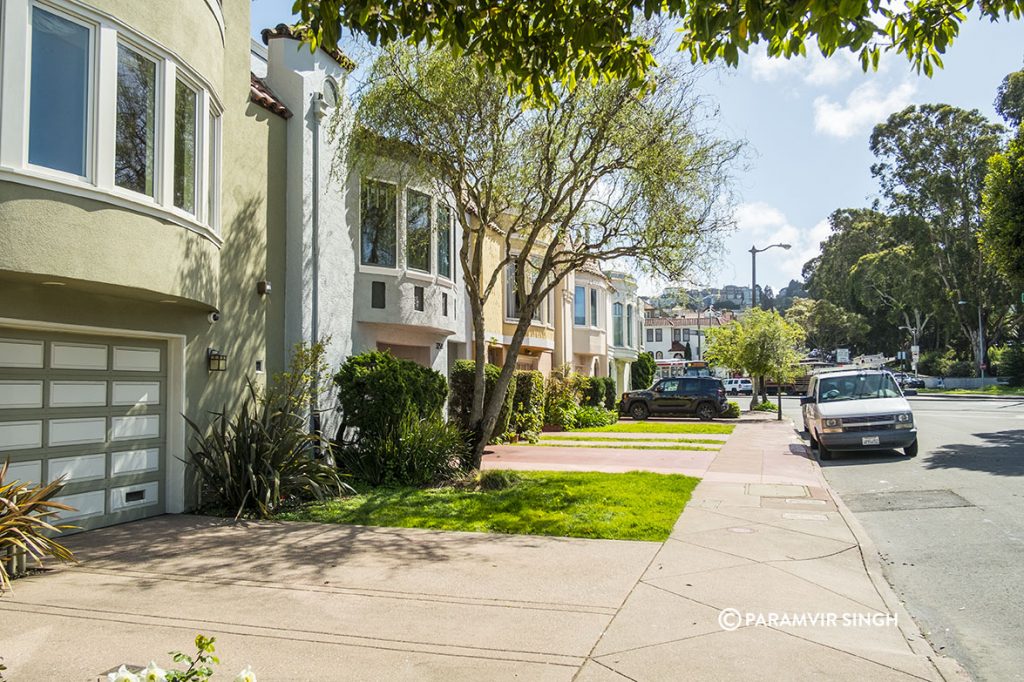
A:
[501,313]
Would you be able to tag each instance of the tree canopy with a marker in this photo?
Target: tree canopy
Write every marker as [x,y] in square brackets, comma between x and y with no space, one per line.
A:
[827,326]
[1002,236]
[536,44]
[606,172]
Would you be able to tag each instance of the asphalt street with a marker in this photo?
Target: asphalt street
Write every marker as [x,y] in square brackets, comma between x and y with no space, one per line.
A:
[949,526]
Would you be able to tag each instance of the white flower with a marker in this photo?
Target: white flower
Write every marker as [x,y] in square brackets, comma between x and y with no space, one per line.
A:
[122,675]
[153,673]
[246,675]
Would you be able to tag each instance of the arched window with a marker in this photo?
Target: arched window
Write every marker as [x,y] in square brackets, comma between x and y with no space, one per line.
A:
[658,355]
[678,356]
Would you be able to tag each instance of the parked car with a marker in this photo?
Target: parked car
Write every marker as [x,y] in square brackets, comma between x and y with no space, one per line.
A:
[701,397]
[858,410]
[908,380]
[738,386]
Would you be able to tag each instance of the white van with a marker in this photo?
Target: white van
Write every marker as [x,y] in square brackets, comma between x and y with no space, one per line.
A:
[738,386]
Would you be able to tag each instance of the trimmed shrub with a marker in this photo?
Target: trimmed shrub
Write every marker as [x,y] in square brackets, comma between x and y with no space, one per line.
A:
[376,391]
[527,416]
[589,417]
[766,406]
[641,372]
[734,410]
[461,406]
[611,394]
[592,390]
[562,393]
[412,452]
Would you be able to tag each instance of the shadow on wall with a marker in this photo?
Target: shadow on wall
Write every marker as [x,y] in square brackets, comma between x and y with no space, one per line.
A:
[1002,454]
[241,331]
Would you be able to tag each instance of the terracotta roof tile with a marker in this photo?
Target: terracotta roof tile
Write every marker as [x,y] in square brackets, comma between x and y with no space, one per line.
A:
[260,93]
[298,33]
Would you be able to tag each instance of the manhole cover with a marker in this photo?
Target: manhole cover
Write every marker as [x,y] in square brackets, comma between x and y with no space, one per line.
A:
[904,500]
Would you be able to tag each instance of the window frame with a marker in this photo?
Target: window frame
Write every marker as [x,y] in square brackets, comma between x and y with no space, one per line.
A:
[409,191]
[158,124]
[578,300]
[91,93]
[449,232]
[617,335]
[375,267]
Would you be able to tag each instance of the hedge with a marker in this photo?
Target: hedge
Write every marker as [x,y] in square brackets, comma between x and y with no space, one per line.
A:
[461,405]
[527,416]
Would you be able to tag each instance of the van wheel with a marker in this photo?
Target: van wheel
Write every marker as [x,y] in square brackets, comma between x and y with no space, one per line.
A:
[823,452]
[639,412]
[911,450]
[706,412]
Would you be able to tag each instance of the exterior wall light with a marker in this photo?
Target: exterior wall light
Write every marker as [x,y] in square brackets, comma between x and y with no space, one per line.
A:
[216,361]
[263,287]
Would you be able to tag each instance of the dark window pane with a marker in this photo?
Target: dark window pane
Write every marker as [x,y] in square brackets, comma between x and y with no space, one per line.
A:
[617,324]
[593,308]
[185,107]
[376,294]
[417,298]
[379,225]
[580,306]
[135,150]
[417,230]
[444,304]
[629,326]
[444,241]
[59,103]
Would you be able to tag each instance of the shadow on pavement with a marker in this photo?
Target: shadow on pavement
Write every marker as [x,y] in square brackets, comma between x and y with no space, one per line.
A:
[1002,454]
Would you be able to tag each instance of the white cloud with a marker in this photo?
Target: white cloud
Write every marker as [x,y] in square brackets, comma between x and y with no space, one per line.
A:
[865,106]
[813,69]
[762,224]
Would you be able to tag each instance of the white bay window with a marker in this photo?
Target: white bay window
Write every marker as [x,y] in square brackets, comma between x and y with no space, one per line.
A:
[93,109]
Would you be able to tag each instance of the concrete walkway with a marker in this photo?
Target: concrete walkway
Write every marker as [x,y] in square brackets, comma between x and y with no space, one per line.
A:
[762,535]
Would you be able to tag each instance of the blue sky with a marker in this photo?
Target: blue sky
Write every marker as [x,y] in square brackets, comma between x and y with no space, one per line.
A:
[807,123]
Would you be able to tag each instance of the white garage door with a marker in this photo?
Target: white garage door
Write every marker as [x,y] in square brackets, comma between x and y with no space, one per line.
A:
[91,410]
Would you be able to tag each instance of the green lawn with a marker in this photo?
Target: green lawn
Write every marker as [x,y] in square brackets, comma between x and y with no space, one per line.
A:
[631,506]
[603,443]
[988,390]
[613,439]
[661,427]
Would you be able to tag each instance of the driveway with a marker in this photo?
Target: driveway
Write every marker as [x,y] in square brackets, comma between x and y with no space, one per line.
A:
[312,602]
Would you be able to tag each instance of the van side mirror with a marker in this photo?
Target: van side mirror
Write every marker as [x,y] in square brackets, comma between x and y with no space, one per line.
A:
[807,400]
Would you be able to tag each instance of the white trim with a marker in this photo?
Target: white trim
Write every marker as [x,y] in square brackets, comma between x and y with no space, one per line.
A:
[218,15]
[531,341]
[175,473]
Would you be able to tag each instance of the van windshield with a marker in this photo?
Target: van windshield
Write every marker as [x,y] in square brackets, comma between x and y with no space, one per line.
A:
[859,387]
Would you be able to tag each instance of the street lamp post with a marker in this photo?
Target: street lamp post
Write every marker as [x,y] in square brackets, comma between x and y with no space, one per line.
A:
[753,302]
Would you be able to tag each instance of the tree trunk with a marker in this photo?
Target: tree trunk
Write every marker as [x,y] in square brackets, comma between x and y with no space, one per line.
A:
[479,377]
[754,388]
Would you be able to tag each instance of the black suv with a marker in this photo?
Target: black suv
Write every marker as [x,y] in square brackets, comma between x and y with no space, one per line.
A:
[702,397]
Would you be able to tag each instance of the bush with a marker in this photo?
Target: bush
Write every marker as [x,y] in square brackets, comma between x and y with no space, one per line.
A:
[587,417]
[641,372]
[461,406]
[592,390]
[413,452]
[527,415]
[376,391]
[25,524]
[766,406]
[611,394]
[261,458]
[1011,364]
[733,411]
[562,394]
[961,368]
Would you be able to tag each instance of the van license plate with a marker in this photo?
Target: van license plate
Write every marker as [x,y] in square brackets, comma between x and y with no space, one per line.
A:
[869,440]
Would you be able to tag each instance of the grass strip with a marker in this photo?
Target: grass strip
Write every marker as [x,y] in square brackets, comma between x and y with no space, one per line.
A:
[637,505]
[660,427]
[612,439]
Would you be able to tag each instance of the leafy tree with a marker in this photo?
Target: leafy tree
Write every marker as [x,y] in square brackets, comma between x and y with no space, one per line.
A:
[607,171]
[1002,235]
[826,325]
[538,45]
[641,372]
[766,299]
[1010,98]
[932,162]
[761,343]
[788,293]
[855,232]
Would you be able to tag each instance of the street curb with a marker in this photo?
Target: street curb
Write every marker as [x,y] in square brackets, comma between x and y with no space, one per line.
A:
[948,668]
[966,396]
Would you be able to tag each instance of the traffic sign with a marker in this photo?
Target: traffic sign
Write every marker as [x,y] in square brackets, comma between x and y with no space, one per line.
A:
[842,355]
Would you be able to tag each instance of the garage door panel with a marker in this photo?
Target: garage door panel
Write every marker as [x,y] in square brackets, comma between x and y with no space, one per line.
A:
[20,393]
[90,410]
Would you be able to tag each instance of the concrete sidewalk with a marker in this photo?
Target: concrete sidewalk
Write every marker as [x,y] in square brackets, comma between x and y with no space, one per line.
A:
[304,601]
[763,538]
